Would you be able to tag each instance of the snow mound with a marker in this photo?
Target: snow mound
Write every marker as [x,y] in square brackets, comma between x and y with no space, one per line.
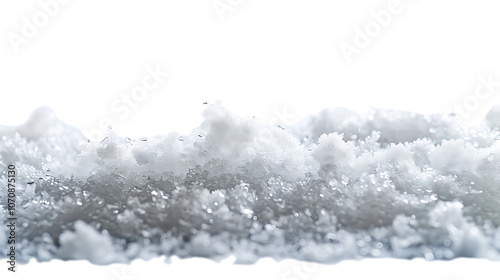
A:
[337,185]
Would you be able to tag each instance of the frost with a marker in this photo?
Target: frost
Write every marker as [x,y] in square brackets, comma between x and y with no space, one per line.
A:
[337,185]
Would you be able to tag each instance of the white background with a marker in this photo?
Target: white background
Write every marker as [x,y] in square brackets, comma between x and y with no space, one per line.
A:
[265,58]
[277,60]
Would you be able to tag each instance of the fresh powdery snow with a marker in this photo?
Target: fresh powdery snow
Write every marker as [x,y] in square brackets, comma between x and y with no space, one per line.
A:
[335,186]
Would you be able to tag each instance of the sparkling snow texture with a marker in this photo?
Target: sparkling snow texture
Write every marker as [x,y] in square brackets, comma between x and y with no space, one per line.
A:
[335,186]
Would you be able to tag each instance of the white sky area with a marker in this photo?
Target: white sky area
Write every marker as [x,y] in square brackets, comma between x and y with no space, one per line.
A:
[277,60]
[272,59]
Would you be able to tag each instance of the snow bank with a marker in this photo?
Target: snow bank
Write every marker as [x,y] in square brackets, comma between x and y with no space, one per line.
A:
[335,186]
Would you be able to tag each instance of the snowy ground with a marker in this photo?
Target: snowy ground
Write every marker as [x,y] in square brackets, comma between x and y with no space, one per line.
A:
[335,186]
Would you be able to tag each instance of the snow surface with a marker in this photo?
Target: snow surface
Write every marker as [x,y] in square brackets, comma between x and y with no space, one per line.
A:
[335,186]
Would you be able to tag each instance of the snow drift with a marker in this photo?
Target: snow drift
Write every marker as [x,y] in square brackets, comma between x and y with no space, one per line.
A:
[335,186]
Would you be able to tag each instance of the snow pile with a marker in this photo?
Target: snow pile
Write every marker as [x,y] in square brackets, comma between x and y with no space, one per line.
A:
[335,186]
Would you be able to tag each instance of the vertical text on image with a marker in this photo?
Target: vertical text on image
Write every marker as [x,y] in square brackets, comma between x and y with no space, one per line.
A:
[12,219]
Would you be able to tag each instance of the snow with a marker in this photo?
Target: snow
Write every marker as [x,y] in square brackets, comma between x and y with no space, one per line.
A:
[335,186]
